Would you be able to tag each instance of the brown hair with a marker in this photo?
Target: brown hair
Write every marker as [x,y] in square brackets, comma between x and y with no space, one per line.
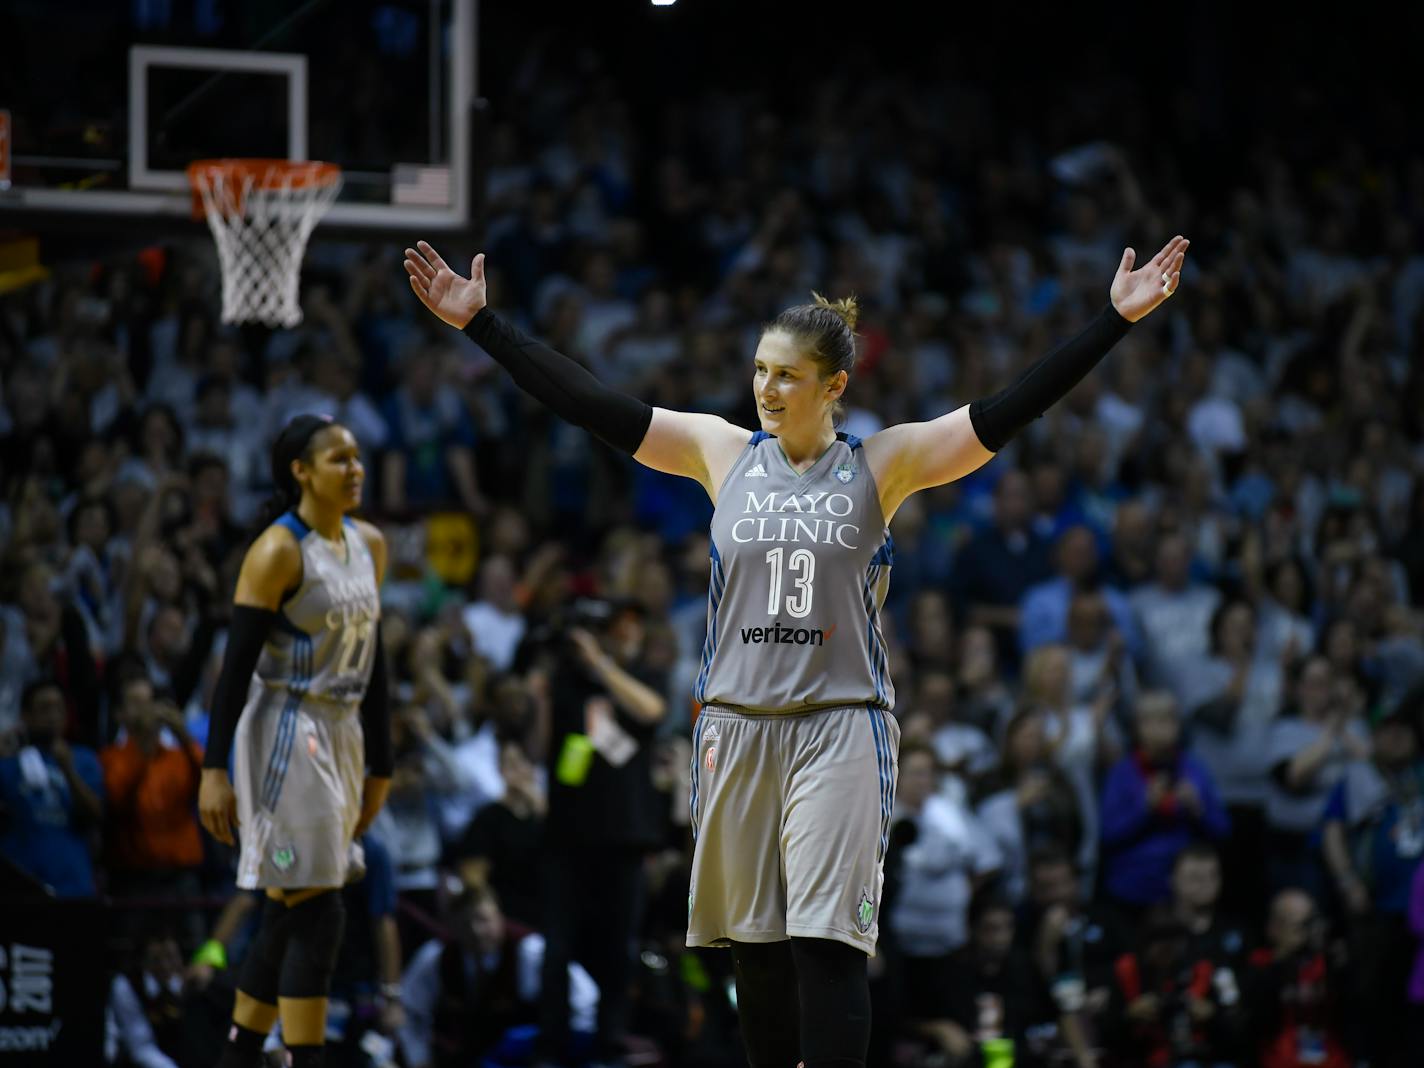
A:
[825,332]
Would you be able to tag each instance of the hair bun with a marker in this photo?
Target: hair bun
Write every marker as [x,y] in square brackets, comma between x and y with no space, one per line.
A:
[847,310]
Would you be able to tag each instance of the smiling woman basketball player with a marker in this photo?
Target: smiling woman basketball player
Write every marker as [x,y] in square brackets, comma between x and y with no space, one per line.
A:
[302,698]
[794,776]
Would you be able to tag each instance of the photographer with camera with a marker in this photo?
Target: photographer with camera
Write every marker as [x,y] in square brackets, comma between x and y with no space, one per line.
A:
[604,813]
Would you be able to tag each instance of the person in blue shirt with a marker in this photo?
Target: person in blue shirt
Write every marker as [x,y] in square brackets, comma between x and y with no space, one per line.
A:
[1157,800]
[1043,617]
[50,797]
[429,461]
[999,564]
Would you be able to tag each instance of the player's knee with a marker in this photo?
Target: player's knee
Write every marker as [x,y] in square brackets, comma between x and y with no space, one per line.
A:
[258,974]
[315,929]
[768,962]
[829,956]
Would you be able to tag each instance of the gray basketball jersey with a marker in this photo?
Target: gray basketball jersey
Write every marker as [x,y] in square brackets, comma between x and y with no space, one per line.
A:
[298,753]
[324,644]
[800,566]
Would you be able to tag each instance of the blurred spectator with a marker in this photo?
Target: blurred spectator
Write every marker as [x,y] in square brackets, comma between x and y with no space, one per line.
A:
[494,619]
[603,811]
[1374,841]
[1074,943]
[930,639]
[1133,547]
[50,794]
[1046,606]
[1156,801]
[1284,630]
[1030,805]
[507,714]
[947,856]
[1082,739]
[502,844]
[1174,616]
[1098,662]
[151,775]
[1167,1010]
[474,997]
[425,770]
[43,636]
[94,571]
[999,565]
[1196,901]
[145,1023]
[984,700]
[1307,752]
[1293,993]
[429,461]
[963,750]
[1234,697]
[986,1003]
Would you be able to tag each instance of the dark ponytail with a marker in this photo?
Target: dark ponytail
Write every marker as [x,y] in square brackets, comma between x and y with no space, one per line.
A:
[293,443]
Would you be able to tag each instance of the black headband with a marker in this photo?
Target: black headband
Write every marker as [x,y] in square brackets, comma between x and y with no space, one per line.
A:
[292,442]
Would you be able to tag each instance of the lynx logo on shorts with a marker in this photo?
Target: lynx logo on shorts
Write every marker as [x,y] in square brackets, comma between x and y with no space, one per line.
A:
[864,912]
[283,857]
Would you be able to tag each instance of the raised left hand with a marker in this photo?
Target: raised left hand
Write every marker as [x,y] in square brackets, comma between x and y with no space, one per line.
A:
[1136,293]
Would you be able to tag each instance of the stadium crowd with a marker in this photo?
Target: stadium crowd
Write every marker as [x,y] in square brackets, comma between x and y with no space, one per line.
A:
[1161,788]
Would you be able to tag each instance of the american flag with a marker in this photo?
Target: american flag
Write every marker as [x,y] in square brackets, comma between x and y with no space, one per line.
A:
[420,185]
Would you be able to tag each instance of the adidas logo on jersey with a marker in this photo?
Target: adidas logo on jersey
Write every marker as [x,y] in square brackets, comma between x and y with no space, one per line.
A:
[758,471]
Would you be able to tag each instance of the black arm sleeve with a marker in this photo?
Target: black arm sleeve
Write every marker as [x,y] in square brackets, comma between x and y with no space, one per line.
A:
[245,637]
[376,717]
[190,669]
[562,383]
[998,418]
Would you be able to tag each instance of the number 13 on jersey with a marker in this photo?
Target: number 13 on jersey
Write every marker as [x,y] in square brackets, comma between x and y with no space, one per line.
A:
[802,563]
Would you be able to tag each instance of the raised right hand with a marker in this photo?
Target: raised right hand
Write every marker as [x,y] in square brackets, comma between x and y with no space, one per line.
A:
[217,805]
[453,299]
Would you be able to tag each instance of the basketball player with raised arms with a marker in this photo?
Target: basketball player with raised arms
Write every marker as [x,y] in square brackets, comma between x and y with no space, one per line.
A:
[795,755]
[302,702]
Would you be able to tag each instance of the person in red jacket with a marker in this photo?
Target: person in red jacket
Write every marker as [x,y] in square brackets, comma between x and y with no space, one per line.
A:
[151,776]
[1292,992]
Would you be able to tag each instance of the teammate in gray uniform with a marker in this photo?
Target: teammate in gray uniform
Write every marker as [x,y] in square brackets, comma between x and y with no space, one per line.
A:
[795,761]
[303,691]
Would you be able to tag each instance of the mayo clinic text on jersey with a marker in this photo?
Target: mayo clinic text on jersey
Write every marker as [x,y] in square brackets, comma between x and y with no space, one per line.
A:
[815,519]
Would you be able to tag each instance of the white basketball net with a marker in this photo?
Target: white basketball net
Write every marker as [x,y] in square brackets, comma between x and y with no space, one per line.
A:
[261,219]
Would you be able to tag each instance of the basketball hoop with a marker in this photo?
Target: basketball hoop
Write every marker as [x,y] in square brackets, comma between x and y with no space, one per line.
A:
[261,212]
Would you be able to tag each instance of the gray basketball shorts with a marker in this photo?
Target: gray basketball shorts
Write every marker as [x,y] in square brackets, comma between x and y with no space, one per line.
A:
[298,772]
[791,817]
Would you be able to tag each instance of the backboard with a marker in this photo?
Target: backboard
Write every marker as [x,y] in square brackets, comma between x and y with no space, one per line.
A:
[108,102]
